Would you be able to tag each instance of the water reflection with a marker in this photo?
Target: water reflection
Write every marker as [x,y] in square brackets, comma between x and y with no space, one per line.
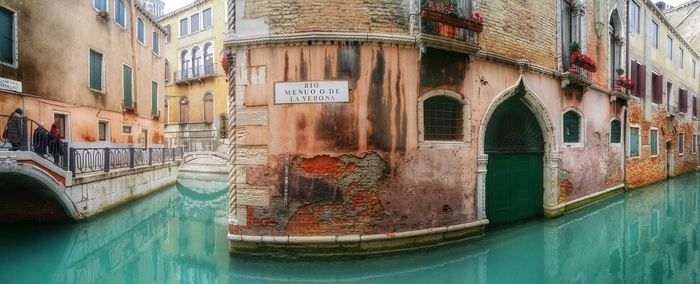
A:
[179,236]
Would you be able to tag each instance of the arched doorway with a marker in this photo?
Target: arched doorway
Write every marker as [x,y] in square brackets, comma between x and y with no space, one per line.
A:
[515,147]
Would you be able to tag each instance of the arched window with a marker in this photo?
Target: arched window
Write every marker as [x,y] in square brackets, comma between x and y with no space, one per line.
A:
[209,58]
[167,70]
[156,43]
[208,108]
[185,65]
[572,127]
[196,61]
[140,31]
[184,110]
[615,131]
[443,119]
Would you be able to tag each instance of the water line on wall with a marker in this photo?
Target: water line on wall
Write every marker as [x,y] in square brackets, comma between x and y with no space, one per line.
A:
[286,178]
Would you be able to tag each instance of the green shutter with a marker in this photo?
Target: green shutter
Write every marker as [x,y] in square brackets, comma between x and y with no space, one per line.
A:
[154,97]
[653,143]
[95,71]
[7,19]
[571,127]
[615,131]
[128,98]
[634,142]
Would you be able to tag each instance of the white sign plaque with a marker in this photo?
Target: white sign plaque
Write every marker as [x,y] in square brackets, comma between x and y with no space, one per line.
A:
[10,85]
[311,92]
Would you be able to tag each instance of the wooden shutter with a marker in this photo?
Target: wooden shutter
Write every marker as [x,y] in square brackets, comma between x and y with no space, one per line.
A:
[154,98]
[95,71]
[128,99]
[658,81]
[682,100]
[634,75]
[642,79]
[695,106]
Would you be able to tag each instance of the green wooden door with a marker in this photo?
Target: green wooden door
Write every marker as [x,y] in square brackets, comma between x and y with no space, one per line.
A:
[514,178]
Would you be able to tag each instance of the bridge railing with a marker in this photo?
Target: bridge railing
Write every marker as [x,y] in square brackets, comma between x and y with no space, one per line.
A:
[25,134]
[93,160]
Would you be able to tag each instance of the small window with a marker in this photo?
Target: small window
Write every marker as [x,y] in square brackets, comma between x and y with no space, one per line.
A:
[654,34]
[156,43]
[140,31]
[8,44]
[669,47]
[99,5]
[154,97]
[443,119]
[634,17]
[654,141]
[103,131]
[184,110]
[694,143]
[194,23]
[634,141]
[184,27]
[615,133]
[167,70]
[681,143]
[681,57]
[120,13]
[206,18]
[126,129]
[572,129]
[95,74]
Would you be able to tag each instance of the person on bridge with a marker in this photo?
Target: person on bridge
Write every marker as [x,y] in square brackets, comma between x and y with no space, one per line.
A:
[13,130]
[54,138]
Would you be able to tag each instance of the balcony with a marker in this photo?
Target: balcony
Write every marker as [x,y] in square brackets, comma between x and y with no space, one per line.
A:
[196,73]
[453,29]
[577,74]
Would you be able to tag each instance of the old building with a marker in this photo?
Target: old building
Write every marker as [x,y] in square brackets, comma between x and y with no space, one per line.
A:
[155,7]
[92,67]
[386,124]
[662,118]
[195,82]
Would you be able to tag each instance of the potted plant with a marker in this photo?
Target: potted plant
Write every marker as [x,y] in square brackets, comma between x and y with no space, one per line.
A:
[104,15]
[579,59]
[620,72]
[447,16]
[475,22]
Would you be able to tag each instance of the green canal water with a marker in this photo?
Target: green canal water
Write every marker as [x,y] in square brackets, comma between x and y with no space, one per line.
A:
[179,236]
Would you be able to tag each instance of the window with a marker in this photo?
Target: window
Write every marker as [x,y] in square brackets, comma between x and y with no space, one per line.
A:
[572,129]
[126,129]
[695,106]
[570,28]
[183,27]
[681,58]
[127,87]
[140,31]
[194,23]
[184,110]
[615,131]
[120,13]
[634,141]
[681,143]
[185,65]
[657,87]
[442,119]
[99,5]
[682,100]
[167,34]
[62,121]
[156,43]
[638,75]
[154,98]
[694,143]
[208,108]
[103,131]
[654,34]
[654,141]
[669,47]
[167,70]
[209,59]
[634,17]
[206,18]
[95,74]
[8,44]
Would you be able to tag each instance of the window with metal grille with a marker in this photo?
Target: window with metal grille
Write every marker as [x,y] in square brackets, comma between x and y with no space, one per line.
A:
[443,118]
[654,141]
[634,141]
[571,127]
[615,131]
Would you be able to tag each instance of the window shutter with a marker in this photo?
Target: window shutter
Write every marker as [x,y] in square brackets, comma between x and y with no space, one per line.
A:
[615,131]
[128,100]
[642,74]
[695,106]
[634,142]
[6,38]
[682,100]
[95,71]
[154,98]
[658,89]
[634,75]
[653,144]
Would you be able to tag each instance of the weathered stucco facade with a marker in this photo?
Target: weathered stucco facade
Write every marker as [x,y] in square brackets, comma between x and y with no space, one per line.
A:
[55,77]
[364,171]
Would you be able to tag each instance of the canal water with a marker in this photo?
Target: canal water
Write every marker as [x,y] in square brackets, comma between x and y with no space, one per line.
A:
[178,235]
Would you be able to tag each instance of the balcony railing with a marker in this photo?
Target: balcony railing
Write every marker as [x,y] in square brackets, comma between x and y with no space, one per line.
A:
[196,72]
[447,28]
[577,74]
[93,160]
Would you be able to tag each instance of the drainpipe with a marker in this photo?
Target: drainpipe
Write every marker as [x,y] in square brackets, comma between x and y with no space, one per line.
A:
[134,67]
[624,117]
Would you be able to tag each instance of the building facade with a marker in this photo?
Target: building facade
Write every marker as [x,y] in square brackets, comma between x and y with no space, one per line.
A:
[155,7]
[395,123]
[195,82]
[662,118]
[102,85]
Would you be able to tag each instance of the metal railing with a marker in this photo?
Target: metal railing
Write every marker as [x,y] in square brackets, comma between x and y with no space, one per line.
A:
[444,29]
[92,160]
[196,72]
[24,134]
[575,69]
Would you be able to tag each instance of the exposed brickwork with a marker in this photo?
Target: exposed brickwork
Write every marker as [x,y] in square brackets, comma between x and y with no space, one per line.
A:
[27,206]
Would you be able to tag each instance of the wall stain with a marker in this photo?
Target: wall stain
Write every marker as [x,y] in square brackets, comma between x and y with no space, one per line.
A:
[440,68]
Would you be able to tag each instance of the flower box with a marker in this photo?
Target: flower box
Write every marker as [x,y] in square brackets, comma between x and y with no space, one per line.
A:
[625,83]
[455,21]
[583,61]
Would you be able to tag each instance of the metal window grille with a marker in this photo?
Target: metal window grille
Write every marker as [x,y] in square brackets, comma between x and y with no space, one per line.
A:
[571,127]
[443,119]
[653,143]
[615,131]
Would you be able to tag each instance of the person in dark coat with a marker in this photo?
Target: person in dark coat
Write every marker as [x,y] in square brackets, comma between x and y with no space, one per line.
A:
[55,143]
[13,130]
